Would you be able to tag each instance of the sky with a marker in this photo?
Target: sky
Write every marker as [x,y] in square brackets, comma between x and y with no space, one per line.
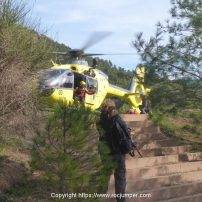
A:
[72,21]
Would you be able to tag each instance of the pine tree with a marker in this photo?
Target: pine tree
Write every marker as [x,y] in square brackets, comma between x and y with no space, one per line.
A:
[65,152]
[175,50]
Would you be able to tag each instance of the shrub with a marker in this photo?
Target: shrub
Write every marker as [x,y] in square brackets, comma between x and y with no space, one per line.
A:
[65,151]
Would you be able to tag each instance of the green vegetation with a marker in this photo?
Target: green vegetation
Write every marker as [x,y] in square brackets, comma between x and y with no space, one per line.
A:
[173,57]
[64,152]
[25,50]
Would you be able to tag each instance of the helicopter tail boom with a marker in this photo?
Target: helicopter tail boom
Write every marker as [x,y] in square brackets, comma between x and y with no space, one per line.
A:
[136,89]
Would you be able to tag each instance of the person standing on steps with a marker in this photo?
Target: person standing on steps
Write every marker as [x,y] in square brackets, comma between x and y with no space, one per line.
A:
[115,135]
[120,144]
[103,128]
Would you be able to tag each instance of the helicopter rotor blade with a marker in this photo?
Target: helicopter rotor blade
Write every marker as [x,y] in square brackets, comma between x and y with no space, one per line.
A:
[97,54]
[95,38]
[93,54]
[60,53]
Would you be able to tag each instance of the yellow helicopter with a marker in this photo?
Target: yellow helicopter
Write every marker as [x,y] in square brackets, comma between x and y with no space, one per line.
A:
[61,81]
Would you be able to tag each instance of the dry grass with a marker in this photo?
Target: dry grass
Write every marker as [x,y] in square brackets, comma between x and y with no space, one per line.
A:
[186,129]
[19,116]
[8,168]
[22,52]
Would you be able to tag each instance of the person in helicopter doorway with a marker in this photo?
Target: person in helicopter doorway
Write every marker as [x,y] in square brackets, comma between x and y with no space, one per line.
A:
[118,143]
[81,91]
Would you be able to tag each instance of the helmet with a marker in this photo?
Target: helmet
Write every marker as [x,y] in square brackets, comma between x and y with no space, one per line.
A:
[83,83]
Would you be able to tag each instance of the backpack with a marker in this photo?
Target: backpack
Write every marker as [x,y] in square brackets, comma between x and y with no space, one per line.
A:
[122,136]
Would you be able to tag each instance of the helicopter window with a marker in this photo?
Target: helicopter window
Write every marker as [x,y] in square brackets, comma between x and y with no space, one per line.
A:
[67,80]
[57,78]
[50,78]
[52,74]
[91,84]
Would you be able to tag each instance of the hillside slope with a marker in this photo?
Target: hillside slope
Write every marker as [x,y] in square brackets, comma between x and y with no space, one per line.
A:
[23,52]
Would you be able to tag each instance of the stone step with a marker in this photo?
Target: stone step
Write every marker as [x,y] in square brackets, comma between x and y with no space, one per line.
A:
[162,170]
[165,193]
[136,125]
[132,162]
[146,125]
[148,137]
[191,198]
[134,117]
[166,172]
[162,181]
[140,174]
[162,151]
[197,156]
[158,143]
[175,191]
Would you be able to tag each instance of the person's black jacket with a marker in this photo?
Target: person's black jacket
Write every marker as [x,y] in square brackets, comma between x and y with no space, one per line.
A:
[119,137]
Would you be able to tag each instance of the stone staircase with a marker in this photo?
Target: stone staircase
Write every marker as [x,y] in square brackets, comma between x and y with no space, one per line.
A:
[168,171]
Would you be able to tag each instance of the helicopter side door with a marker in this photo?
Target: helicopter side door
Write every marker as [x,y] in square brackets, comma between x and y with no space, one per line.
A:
[92,86]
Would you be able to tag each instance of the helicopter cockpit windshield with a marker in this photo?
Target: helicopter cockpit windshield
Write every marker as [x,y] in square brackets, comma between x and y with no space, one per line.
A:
[59,78]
